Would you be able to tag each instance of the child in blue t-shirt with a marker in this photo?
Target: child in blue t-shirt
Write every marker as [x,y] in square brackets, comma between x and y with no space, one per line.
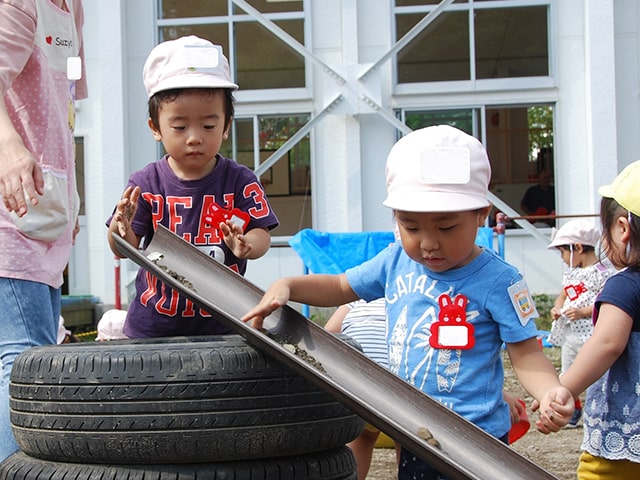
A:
[450,303]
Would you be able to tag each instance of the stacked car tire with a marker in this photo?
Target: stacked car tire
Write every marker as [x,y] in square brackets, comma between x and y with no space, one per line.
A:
[184,407]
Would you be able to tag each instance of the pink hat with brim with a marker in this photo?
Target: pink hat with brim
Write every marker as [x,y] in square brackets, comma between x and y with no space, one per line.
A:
[437,169]
[186,62]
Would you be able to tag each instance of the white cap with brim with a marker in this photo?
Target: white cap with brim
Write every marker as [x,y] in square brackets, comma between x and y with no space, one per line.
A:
[187,62]
[574,232]
[437,169]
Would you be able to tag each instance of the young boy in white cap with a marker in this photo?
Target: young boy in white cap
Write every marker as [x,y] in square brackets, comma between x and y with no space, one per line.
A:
[210,201]
[572,325]
[437,278]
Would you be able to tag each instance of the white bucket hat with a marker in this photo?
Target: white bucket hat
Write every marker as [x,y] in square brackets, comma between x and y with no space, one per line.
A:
[437,169]
[186,62]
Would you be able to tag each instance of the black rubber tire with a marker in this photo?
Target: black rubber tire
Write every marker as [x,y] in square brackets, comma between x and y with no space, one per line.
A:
[178,400]
[336,464]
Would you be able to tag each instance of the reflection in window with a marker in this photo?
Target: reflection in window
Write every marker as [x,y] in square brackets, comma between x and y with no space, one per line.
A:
[439,53]
[288,181]
[519,141]
[462,119]
[258,58]
[511,42]
[191,8]
[217,33]
[272,6]
[508,42]
[211,8]
[263,61]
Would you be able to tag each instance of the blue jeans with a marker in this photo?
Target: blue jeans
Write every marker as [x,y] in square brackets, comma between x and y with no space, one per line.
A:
[29,313]
[411,467]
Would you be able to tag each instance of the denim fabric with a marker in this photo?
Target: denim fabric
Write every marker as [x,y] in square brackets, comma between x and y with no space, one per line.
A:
[29,313]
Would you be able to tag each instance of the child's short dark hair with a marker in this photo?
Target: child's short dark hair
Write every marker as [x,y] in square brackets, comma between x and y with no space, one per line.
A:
[585,248]
[167,96]
[610,211]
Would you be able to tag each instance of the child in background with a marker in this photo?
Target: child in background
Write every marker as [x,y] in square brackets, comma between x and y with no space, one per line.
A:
[111,325]
[572,325]
[210,201]
[64,335]
[608,361]
[366,323]
[436,276]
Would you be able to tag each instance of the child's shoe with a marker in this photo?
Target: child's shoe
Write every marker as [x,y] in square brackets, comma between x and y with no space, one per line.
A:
[575,418]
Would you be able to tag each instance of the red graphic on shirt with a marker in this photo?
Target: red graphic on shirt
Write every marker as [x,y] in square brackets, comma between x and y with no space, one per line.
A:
[216,215]
[574,291]
[49,39]
[452,330]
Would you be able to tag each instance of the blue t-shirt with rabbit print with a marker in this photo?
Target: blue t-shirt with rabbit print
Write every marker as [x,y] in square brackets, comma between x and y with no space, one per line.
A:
[446,329]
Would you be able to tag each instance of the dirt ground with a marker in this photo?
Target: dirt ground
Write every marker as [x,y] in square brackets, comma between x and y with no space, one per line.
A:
[557,453]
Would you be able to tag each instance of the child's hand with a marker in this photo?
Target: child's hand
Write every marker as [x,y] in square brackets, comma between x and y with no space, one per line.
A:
[274,298]
[556,408]
[572,313]
[126,210]
[515,407]
[235,240]
[555,313]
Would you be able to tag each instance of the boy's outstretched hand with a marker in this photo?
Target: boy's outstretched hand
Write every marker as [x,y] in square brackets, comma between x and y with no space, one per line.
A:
[556,408]
[274,298]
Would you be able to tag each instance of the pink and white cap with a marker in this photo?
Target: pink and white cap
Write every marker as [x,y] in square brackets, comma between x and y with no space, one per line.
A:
[437,169]
[186,62]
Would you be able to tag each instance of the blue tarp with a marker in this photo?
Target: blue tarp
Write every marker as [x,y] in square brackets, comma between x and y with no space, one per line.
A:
[323,252]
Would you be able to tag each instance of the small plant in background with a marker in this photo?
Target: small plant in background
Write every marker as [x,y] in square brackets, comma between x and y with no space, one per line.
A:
[544,304]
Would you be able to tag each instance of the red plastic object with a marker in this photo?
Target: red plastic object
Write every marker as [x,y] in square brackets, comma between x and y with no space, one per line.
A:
[216,215]
[519,429]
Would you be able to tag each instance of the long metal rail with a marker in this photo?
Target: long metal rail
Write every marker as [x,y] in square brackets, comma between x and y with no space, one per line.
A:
[428,429]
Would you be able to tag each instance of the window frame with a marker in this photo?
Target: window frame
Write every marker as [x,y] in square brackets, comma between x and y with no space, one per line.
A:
[254,95]
[474,84]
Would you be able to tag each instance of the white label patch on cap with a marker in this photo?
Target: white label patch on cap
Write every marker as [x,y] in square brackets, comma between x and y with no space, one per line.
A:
[201,57]
[445,165]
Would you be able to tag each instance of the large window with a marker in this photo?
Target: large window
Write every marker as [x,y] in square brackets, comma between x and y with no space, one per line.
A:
[258,58]
[483,40]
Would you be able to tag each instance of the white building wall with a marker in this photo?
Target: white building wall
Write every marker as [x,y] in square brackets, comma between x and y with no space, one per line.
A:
[102,123]
[627,80]
[597,119]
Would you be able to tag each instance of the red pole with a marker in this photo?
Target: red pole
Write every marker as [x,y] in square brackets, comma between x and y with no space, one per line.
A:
[118,301]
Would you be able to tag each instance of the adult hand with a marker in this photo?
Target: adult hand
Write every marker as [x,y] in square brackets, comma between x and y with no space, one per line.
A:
[21,179]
